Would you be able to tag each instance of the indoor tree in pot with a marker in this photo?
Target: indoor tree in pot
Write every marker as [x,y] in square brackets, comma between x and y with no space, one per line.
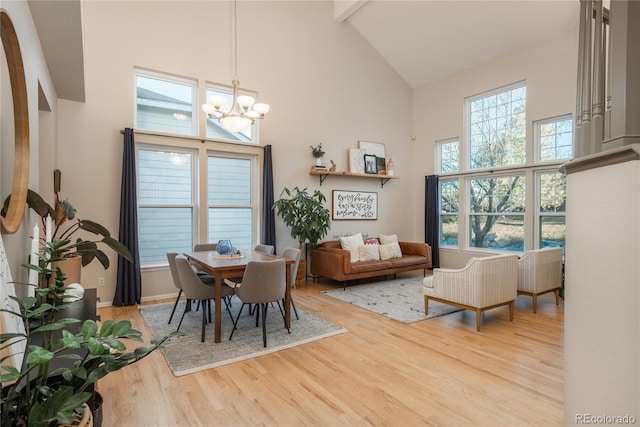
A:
[305,215]
[37,395]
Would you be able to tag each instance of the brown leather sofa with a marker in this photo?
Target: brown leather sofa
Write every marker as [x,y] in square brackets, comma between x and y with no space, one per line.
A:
[331,261]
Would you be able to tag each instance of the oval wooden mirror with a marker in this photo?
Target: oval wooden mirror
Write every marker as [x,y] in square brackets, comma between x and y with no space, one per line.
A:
[20,183]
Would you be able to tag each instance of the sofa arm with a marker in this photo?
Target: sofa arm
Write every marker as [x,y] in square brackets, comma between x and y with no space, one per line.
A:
[330,262]
[415,248]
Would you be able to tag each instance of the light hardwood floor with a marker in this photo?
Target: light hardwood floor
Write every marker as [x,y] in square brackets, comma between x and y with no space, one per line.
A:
[436,372]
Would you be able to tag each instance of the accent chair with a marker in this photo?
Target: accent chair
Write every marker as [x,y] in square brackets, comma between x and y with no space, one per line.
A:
[539,272]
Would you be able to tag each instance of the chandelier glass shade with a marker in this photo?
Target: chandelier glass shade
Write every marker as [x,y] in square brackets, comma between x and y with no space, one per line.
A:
[244,110]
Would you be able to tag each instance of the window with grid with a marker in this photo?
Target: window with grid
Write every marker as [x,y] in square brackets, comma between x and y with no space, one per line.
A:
[165,104]
[496,212]
[166,202]
[449,211]
[497,128]
[230,200]
[554,139]
[551,215]
[448,158]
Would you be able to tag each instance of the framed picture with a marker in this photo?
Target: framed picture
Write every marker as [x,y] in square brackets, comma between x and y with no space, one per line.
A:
[373,148]
[370,164]
[354,205]
[356,160]
[381,165]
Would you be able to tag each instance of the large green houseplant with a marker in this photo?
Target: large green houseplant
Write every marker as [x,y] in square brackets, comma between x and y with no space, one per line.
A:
[304,214]
[37,395]
[65,224]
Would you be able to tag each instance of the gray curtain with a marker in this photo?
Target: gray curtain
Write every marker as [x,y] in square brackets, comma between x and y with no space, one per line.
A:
[432,218]
[129,280]
[268,216]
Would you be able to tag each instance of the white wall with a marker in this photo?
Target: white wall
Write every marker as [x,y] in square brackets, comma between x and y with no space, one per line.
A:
[36,74]
[549,69]
[602,317]
[322,80]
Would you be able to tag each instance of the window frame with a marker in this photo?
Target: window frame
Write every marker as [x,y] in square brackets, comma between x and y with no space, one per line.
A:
[169,78]
[439,165]
[537,136]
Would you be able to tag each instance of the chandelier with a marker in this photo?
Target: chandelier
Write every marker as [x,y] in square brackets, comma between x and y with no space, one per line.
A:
[243,111]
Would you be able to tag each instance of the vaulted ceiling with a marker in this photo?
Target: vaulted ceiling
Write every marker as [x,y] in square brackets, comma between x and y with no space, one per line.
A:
[423,40]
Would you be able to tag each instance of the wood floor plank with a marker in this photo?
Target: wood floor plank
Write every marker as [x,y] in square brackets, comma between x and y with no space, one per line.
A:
[436,372]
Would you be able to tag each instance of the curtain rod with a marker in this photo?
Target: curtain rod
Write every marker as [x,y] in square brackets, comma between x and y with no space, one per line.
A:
[193,138]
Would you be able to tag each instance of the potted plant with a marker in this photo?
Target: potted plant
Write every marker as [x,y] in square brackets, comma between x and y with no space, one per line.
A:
[39,396]
[317,152]
[305,215]
[64,224]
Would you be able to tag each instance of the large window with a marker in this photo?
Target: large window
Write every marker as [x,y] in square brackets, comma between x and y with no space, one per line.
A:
[449,210]
[166,202]
[165,105]
[496,217]
[552,209]
[230,200]
[488,180]
[497,128]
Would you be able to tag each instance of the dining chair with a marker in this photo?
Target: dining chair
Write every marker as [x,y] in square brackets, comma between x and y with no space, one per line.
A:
[293,253]
[171,257]
[205,247]
[195,290]
[263,282]
[267,249]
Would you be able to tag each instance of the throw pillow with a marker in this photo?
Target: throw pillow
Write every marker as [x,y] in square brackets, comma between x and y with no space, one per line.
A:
[369,252]
[385,240]
[351,243]
[391,250]
[371,241]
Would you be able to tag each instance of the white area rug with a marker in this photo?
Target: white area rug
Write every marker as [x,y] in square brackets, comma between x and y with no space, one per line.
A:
[186,354]
[400,299]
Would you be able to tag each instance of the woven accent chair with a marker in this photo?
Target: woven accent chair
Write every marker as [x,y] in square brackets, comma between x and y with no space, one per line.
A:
[539,272]
[482,284]
[263,282]
[293,253]
[267,249]
[195,290]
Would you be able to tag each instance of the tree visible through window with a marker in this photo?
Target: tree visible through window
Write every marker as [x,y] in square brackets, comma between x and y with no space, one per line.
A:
[449,211]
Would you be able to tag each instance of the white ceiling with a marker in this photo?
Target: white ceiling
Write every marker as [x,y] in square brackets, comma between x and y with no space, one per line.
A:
[423,40]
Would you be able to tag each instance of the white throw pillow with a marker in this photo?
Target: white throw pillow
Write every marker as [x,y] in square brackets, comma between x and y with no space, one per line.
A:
[391,250]
[369,252]
[352,243]
[385,240]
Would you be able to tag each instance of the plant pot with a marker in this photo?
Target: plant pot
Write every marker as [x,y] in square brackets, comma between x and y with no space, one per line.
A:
[72,267]
[302,270]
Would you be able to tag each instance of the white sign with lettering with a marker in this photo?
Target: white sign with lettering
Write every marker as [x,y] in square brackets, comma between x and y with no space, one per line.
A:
[354,205]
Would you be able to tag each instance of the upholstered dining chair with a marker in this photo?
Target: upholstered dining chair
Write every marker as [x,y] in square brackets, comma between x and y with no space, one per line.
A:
[267,249]
[205,247]
[482,284]
[195,290]
[293,253]
[171,257]
[539,272]
[263,282]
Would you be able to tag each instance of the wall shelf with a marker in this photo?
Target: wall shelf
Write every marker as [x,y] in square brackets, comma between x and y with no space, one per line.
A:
[323,174]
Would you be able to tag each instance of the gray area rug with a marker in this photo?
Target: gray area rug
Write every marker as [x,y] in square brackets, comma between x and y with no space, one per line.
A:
[400,299]
[186,354]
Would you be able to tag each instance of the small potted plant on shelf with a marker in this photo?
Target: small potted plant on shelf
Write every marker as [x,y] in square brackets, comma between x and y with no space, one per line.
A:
[39,395]
[305,215]
[317,153]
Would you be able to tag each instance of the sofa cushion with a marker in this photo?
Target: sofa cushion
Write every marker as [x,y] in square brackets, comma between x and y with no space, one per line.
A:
[385,240]
[391,250]
[369,252]
[406,261]
[352,244]
[364,266]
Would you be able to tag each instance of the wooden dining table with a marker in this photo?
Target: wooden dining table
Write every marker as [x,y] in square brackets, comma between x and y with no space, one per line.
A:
[225,267]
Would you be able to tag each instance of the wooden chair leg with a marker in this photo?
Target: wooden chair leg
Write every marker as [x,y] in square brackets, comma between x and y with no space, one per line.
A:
[535,303]
[478,318]
[557,292]
[426,305]
[512,307]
